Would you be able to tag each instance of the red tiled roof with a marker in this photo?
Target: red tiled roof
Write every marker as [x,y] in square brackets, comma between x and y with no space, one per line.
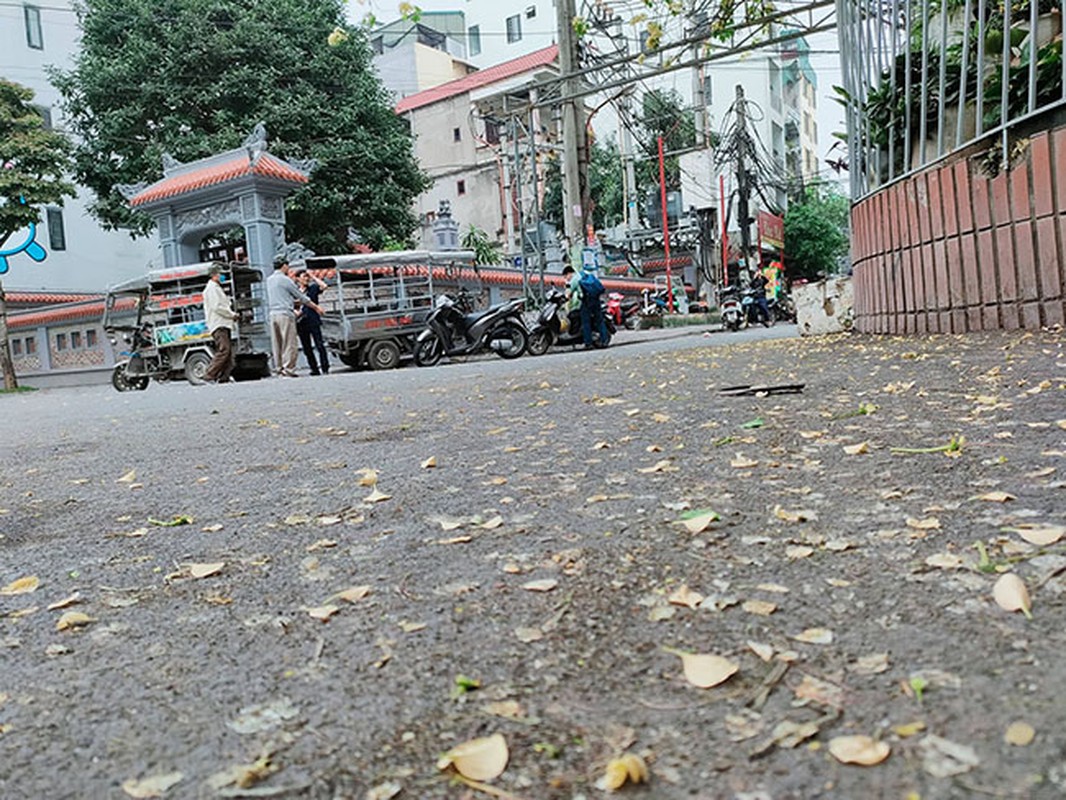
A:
[213,174]
[68,313]
[475,80]
[40,298]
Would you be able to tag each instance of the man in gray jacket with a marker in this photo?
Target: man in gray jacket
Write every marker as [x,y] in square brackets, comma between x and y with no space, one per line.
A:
[220,319]
[284,296]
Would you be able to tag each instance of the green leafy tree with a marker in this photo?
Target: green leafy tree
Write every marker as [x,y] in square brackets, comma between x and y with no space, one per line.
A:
[663,114]
[33,162]
[605,187]
[486,250]
[192,77]
[816,233]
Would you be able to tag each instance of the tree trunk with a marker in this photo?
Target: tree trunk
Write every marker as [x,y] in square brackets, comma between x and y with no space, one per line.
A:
[10,381]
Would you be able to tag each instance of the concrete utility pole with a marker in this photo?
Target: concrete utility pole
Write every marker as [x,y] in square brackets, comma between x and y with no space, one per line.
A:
[575,143]
[743,178]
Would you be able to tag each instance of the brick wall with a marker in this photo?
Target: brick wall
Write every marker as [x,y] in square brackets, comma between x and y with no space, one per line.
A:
[950,250]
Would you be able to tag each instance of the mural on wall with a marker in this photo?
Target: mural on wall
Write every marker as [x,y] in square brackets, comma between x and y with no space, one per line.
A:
[28,245]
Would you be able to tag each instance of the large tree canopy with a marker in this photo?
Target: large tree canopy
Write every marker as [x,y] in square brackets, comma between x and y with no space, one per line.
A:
[192,77]
[816,233]
[33,161]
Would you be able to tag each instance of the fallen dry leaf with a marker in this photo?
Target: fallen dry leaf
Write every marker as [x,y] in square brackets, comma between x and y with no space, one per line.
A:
[377,496]
[21,586]
[323,613]
[508,709]
[659,466]
[481,759]
[72,620]
[684,596]
[527,635]
[872,664]
[629,767]
[858,749]
[1019,734]
[819,691]
[1038,534]
[492,523]
[995,497]
[944,561]
[857,449]
[155,786]
[908,729]
[815,636]
[354,594]
[66,601]
[129,477]
[429,463]
[543,585]
[697,521]
[741,461]
[798,551]
[926,524]
[705,670]
[760,607]
[800,515]
[205,570]
[369,476]
[1012,594]
[763,651]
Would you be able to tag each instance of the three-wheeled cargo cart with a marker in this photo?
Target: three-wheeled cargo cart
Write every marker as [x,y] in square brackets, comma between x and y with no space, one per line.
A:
[159,318]
[377,303]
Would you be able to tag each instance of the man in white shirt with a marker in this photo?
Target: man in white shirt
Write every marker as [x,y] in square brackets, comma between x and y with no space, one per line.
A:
[220,319]
[282,296]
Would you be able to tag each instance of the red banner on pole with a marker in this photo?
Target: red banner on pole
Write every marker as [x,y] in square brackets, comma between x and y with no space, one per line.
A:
[772,230]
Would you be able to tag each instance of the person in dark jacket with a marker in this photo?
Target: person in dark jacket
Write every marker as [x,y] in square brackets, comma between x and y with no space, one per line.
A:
[309,324]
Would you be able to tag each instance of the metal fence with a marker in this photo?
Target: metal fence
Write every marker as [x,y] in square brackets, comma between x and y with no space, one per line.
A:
[923,78]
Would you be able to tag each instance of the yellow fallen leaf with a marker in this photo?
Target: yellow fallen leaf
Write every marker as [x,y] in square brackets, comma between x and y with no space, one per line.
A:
[815,636]
[411,627]
[684,596]
[760,607]
[492,523]
[700,522]
[660,417]
[995,497]
[862,750]
[22,586]
[705,670]
[543,585]
[323,613]
[857,449]
[481,759]
[527,635]
[776,588]
[763,651]
[1040,535]
[944,561]
[659,466]
[741,461]
[872,664]
[798,551]
[1012,594]
[66,601]
[429,463]
[799,515]
[456,539]
[376,496]
[205,570]
[926,524]
[129,477]
[629,767]
[354,594]
[1019,734]
[211,528]
[73,619]
[155,786]
[369,477]
[499,480]
[909,729]
[330,519]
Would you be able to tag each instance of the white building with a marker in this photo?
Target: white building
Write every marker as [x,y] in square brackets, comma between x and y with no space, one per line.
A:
[81,256]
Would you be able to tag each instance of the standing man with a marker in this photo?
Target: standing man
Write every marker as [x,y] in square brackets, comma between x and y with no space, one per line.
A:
[758,287]
[592,319]
[309,323]
[284,296]
[220,319]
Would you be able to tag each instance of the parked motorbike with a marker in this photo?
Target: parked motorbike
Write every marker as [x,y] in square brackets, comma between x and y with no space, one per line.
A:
[782,308]
[750,305]
[622,313]
[134,373]
[453,330]
[547,331]
[733,316]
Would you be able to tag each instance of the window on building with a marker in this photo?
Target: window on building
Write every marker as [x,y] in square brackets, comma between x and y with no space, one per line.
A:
[75,340]
[90,338]
[34,34]
[460,187]
[457,135]
[16,347]
[514,29]
[31,345]
[61,341]
[57,236]
[473,38]
[531,12]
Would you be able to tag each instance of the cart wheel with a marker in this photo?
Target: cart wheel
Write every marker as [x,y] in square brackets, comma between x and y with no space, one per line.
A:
[514,339]
[383,355]
[196,368]
[120,380]
[539,342]
[429,351]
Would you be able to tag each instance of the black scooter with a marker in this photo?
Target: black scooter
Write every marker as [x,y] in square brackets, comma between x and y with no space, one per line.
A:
[452,329]
[548,329]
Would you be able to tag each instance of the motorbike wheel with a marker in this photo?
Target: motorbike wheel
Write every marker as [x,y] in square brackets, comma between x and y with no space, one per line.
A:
[196,368]
[540,341]
[120,380]
[515,335]
[383,355]
[429,351]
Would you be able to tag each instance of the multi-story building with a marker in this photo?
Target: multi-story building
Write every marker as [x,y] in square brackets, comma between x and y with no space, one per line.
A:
[80,254]
[410,57]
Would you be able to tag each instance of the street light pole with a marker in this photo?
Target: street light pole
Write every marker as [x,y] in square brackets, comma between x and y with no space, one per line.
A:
[575,145]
